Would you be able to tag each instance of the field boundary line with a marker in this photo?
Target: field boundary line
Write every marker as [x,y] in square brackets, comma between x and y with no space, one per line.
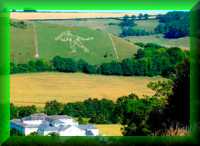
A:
[35,42]
[114,47]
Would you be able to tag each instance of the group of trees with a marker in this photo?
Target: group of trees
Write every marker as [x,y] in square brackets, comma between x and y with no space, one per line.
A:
[69,65]
[150,60]
[168,108]
[99,111]
[21,111]
[18,24]
[143,16]
[173,24]
[128,23]
[135,32]
[31,66]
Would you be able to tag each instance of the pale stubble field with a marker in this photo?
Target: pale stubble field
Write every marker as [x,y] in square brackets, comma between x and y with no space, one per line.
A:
[39,88]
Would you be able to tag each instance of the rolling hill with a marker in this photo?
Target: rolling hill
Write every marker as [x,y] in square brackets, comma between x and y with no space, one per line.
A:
[44,41]
[112,26]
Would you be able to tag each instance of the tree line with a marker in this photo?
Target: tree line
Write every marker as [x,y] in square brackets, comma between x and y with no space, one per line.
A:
[19,24]
[168,108]
[173,24]
[98,111]
[127,26]
[150,60]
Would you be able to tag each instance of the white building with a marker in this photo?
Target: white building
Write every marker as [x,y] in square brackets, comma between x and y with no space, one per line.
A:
[59,124]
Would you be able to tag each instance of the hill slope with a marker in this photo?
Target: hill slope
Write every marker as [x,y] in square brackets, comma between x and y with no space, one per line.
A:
[48,40]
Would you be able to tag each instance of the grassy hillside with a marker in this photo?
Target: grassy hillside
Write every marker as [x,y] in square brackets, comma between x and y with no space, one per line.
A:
[148,25]
[103,44]
[109,25]
[38,88]
[94,46]
[22,44]
[103,24]
[158,39]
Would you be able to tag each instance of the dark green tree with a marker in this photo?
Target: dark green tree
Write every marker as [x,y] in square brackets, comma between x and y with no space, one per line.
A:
[53,108]
[146,16]
[179,102]
[24,111]
[140,54]
[140,16]
[13,111]
[81,64]
[133,17]
[127,67]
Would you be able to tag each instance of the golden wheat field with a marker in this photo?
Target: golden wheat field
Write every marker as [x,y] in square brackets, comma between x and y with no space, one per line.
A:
[38,88]
[109,129]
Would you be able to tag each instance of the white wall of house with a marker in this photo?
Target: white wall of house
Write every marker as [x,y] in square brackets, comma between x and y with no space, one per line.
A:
[95,132]
[45,132]
[28,131]
[33,122]
[72,131]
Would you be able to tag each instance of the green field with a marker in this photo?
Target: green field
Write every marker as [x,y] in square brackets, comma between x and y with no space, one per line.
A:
[102,24]
[147,25]
[109,25]
[94,40]
[158,39]
[22,44]
[39,88]
[94,46]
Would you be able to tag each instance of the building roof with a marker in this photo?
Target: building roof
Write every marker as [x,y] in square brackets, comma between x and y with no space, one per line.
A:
[39,116]
[57,117]
[48,128]
[19,122]
[46,120]
[85,127]
[62,127]
[48,123]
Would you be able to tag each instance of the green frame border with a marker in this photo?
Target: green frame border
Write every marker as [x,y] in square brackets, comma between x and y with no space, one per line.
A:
[6,5]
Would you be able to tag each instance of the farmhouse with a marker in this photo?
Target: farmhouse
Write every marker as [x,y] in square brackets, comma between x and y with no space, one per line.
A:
[59,124]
